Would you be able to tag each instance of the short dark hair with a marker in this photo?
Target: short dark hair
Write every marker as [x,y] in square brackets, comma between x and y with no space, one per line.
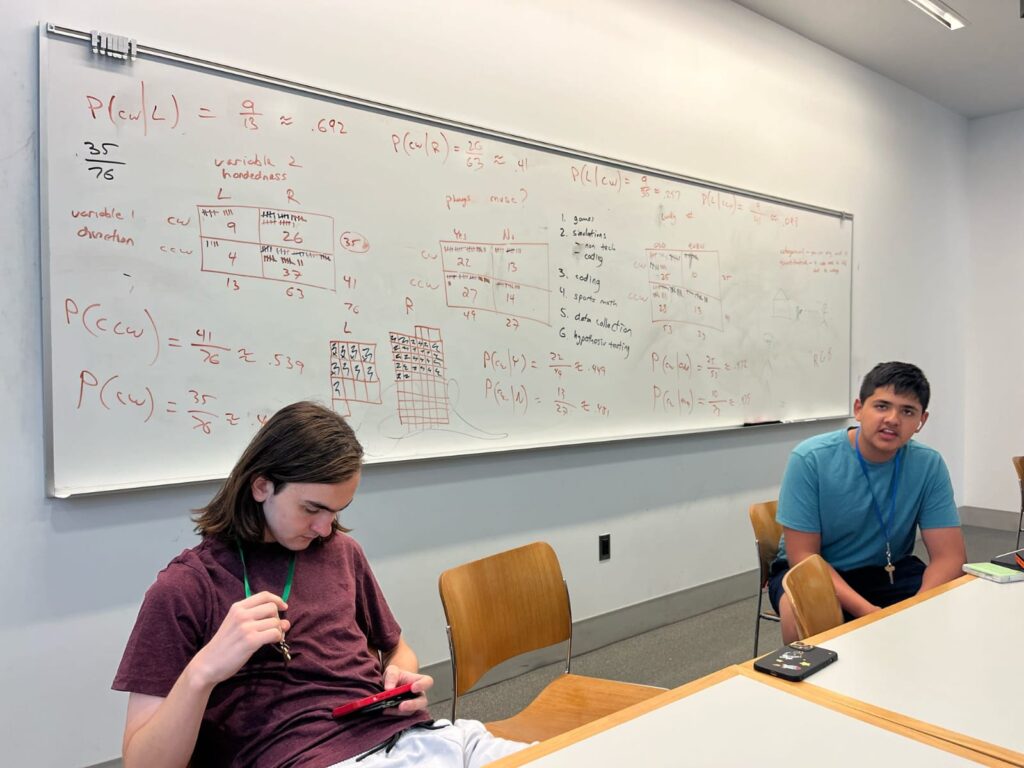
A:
[904,378]
[301,443]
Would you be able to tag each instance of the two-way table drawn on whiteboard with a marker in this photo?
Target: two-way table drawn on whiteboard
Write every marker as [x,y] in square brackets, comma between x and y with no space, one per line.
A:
[216,247]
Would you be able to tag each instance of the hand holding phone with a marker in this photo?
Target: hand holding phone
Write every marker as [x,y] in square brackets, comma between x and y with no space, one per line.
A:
[376,702]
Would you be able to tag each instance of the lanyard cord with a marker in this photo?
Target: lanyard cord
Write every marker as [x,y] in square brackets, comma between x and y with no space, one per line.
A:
[886,526]
[245,575]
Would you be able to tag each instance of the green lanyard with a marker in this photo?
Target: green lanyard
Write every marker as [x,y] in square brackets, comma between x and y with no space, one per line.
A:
[245,575]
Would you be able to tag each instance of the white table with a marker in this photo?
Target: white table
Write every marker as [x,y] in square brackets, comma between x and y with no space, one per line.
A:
[732,718]
[951,665]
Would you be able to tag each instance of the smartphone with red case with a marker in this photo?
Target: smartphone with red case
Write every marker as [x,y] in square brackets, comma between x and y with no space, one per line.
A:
[377,701]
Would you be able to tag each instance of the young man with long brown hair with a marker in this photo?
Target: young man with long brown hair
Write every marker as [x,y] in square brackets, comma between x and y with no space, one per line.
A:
[246,642]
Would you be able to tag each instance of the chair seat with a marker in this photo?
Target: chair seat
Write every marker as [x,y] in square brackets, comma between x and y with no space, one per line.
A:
[568,702]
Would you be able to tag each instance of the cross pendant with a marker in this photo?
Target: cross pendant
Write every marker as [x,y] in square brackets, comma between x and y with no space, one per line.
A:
[890,569]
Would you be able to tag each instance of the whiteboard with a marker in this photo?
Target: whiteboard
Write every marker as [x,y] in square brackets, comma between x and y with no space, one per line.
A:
[216,246]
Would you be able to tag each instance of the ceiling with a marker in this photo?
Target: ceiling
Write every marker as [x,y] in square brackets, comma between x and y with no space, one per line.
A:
[975,71]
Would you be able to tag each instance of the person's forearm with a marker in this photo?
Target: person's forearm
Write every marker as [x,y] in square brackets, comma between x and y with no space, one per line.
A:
[940,571]
[168,738]
[851,600]
[403,657]
[803,546]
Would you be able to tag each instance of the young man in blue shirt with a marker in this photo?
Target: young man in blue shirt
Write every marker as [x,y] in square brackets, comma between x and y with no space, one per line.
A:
[857,497]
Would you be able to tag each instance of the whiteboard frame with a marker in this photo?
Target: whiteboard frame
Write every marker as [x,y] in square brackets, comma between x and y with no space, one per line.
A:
[47,30]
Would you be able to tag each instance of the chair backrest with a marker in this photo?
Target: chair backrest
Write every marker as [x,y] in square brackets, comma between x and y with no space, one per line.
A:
[503,606]
[1018,464]
[810,590]
[767,533]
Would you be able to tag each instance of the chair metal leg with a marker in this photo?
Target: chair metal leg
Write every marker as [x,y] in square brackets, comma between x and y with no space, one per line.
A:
[1020,522]
[455,672]
[568,651]
[757,620]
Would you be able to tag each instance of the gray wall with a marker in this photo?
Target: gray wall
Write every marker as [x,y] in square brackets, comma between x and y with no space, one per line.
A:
[701,87]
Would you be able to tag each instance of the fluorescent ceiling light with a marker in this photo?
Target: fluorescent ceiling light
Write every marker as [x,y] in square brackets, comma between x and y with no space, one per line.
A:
[941,12]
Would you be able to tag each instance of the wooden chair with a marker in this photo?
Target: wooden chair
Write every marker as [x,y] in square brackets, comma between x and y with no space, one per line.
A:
[767,533]
[810,590]
[512,603]
[1018,464]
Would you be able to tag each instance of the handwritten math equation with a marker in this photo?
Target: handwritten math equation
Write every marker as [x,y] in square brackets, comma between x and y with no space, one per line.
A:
[151,109]
[512,381]
[102,158]
[676,373]
[200,411]
[679,401]
[138,328]
[156,109]
[474,154]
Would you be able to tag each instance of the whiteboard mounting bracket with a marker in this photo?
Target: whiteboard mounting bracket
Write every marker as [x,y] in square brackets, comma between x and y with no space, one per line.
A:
[115,46]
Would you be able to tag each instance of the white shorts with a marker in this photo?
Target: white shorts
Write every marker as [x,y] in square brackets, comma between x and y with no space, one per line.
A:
[464,744]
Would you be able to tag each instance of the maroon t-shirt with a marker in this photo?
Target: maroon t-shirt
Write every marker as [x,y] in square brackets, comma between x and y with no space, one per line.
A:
[269,715]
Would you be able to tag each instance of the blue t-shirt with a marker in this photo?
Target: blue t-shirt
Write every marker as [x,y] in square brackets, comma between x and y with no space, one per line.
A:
[824,491]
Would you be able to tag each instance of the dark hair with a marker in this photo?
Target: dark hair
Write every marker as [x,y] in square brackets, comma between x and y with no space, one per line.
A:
[301,443]
[904,378]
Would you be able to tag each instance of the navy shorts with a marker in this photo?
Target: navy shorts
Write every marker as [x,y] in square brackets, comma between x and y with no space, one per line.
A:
[871,582]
